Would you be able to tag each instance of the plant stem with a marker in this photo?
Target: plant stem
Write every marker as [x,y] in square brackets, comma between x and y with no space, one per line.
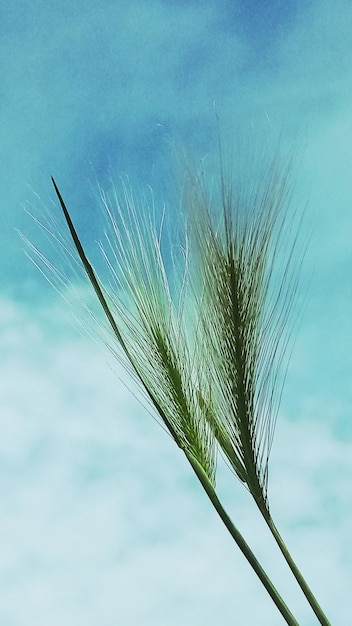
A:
[297,574]
[241,542]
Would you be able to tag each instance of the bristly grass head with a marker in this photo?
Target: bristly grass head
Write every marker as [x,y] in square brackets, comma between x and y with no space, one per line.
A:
[205,337]
[246,281]
[146,316]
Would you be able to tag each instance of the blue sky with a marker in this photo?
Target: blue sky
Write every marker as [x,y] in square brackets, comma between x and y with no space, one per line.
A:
[101,520]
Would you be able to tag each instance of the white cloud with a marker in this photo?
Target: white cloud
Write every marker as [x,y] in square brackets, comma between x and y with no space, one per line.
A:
[102,520]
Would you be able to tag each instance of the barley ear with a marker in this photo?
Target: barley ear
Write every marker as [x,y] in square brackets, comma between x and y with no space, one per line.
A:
[156,347]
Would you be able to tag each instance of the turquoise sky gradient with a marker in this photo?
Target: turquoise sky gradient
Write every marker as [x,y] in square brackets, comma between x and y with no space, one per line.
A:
[101,520]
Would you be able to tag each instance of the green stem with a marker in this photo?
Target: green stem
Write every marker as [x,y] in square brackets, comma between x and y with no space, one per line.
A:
[242,544]
[297,574]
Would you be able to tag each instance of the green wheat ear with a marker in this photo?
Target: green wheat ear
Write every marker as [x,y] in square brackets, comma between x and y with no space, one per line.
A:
[208,348]
[151,329]
[151,336]
[244,304]
[248,276]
